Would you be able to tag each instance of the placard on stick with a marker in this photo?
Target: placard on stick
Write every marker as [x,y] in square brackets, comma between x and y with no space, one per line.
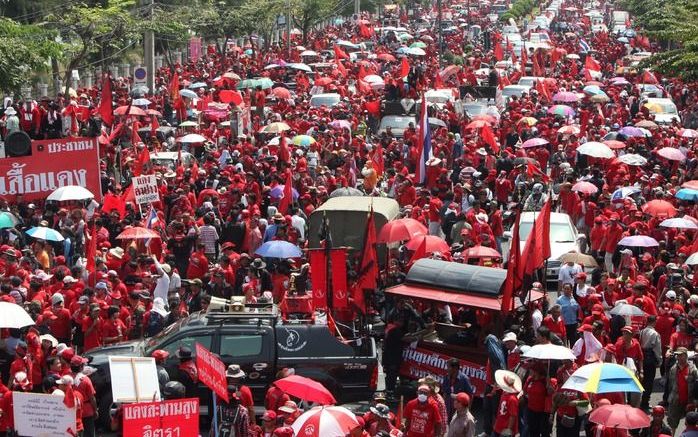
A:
[145,189]
[42,415]
[134,379]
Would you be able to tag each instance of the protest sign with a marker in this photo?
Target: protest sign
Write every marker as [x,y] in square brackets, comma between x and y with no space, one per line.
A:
[41,415]
[145,189]
[211,371]
[134,379]
[178,417]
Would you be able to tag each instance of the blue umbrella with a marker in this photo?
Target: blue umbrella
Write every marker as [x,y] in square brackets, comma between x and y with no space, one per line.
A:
[593,90]
[278,249]
[278,192]
[687,194]
[188,94]
[44,233]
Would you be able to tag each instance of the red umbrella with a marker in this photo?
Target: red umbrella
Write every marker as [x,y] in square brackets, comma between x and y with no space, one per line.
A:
[121,110]
[323,81]
[306,389]
[433,244]
[659,208]
[585,187]
[281,93]
[615,144]
[153,112]
[387,57]
[137,233]
[482,252]
[671,154]
[486,118]
[620,416]
[401,230]
[477,124]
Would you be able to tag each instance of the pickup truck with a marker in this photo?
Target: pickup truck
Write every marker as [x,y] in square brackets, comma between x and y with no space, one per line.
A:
[261,343]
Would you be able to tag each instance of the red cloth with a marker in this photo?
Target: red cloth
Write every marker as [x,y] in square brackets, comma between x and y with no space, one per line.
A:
[422,418]
[682,384]
[105,110]
[537,394]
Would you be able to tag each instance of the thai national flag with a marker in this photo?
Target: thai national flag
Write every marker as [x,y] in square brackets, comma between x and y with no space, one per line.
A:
[150,221]
[584,46]
[424,143]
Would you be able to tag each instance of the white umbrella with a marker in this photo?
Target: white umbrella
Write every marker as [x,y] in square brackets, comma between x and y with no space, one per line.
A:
[633,159]
[191,138]
[70,192]
[550,352]
[188,94]
[596,150]
[44,233]
[308,53]
[373,78]
[415,51]
[679,223]
[13,316]
[141,102]
[692,260]
[300,66]
[325,422]
[625,309]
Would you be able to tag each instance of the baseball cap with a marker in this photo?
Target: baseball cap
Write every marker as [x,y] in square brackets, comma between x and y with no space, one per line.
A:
[509,336]
[57,298]
[681,351]
[462,398]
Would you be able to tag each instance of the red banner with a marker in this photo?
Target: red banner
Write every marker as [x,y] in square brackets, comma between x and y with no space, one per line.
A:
[340,293]
[318,277]
[211,371]
[174,418]
[52,164]
[418,362]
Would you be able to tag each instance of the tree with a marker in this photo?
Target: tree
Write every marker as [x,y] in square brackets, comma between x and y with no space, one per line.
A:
[93,34]
[24,48]
[308,13]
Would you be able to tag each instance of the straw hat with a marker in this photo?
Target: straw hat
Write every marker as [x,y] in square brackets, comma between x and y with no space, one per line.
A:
[508,381]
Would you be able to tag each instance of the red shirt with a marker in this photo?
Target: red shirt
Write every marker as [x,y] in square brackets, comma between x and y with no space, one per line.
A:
[614,233]
[633,351]
[682,384]
[60,327]
[93,339]
[537,393]
[680,339]
[435,206]
[113,328]
[557,328]
[508,407]
[87,391]
[422,418]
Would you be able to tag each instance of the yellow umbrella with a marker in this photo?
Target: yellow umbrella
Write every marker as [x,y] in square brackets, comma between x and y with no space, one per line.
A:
[654,107]
[528,120]
[275,128]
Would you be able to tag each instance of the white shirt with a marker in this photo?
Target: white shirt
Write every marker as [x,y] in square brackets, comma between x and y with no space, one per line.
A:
[298,223]
[162,286]
[567,273]
[536,319]
[175,282]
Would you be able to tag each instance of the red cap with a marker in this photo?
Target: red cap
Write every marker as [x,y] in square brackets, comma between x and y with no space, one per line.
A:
[628,329]
[77,360]
[160,354]
[658,411]
[463,399]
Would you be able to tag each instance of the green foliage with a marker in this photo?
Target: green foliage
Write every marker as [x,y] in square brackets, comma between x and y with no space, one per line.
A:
[675,24]
[308,13]
[23,49]
[519,9]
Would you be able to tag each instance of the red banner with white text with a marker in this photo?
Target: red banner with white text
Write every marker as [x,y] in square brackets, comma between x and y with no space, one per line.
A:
[177,418]
[418,362]
[211,371]
[51,164]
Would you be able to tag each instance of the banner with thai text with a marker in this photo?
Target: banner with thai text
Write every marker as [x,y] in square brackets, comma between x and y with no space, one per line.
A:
[211,371]
[177,418]
[52,164]
[418,362]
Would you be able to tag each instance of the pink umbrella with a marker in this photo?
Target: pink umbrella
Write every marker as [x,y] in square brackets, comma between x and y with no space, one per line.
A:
[482,252]
[401,230]
[659,208]
[340,124]
[281,93]
[638,241]
[671,154]
[565,96]
[688,133]
[569,130]
[585,187]
[324,422]
[534,142]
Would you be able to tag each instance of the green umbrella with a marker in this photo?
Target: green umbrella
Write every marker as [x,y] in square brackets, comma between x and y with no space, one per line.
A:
[418,45]
[247,83]
[265,83]
[7,220]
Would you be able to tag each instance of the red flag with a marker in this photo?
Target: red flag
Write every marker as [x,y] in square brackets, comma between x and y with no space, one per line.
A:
[368,270]
[438,82]
[318,277]
[542,90]
[105,109]
[420,253]
[362,72]
[194,171]
[574,70]
[373,107]
[378,163]
[174,87]
[180,165]
[284,154]
[113,202]
[339,53]
[91,251]
[154,125]
[116,131]
[340,293]
[340,67]
[532,170]
[488,137]
[135,138]
[404,67]
[513,281]
[287,200]
[537,248]
[591,64]
[543,243]
[498,51]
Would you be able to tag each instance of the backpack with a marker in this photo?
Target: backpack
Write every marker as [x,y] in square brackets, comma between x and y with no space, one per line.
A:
[156,322]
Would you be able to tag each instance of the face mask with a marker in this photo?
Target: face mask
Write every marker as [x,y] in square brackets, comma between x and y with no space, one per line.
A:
[422,397]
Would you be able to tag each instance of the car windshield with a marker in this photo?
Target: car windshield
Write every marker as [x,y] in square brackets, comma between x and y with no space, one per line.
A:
[559,232]
[163,162]
[395,122]
[318,101]
[667,107]
[513,91]
[437,98]
[160,338]
[475,109]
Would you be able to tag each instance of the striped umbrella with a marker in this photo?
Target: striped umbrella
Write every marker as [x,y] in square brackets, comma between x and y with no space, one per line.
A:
[603,378]
[325,422]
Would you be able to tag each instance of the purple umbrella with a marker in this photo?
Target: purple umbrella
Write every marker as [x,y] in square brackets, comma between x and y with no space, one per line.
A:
[638,241]
[278,192]
[565,97]
[340,124]
[619,81]
[631,131]
[534,142]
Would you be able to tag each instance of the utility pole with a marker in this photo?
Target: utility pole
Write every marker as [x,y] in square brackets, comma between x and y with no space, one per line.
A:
[357,8]
[149,50]
[288,30]
[441,36]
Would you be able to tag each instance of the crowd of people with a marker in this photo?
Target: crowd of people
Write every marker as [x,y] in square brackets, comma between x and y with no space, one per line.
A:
[214,214]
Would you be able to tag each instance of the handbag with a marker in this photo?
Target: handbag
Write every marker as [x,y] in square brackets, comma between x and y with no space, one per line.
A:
[567,421]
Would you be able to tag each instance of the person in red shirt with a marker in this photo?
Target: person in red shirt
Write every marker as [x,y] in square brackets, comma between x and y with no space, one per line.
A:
[22,364]
[60,326]
[629,347]
[612,236]
[554,322]
[276,397]
[680,338]
[539,392]
[506,421]
[92,327]
[422,417]
[83,384]
[113,329]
